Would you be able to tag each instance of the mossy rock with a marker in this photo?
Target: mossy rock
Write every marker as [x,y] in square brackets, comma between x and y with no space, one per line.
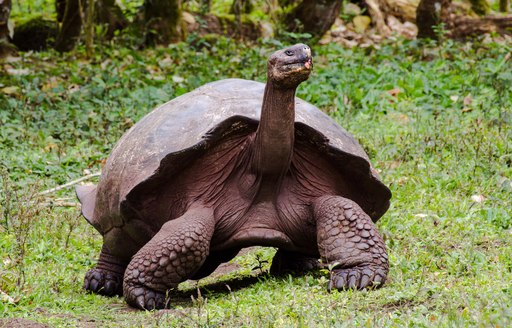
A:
[37,34]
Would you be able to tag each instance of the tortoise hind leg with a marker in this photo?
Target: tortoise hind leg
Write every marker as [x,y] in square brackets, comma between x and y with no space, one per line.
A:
[106,278]
[347,239]
[286,262]
[174,255]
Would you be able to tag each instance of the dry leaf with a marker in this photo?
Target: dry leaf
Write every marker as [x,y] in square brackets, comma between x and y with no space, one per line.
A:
[467,100]
[18,71]
[394,92]
[52,83]
[177,79]
[73,88]
[10,90]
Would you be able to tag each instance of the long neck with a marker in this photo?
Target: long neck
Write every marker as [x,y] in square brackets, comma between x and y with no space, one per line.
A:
[275,134]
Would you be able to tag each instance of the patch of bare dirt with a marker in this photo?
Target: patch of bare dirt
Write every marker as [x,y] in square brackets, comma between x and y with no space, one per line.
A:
[20,323]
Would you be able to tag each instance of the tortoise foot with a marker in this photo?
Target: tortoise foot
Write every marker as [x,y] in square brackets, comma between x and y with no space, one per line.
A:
[290,262]
[357,278]
[348,239]
[145,298]
[103,282]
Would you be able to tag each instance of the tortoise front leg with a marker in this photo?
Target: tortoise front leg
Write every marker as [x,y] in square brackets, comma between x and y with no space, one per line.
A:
[174,254]
[348,239]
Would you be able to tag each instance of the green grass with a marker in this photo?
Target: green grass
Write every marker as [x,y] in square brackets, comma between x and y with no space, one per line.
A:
[444,138]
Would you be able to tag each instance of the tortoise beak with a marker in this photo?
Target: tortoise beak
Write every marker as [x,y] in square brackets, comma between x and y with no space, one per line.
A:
[306,57]
[309,63]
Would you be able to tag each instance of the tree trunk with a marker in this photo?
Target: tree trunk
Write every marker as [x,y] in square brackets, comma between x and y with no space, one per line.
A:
[89,28]
[163,19]
[6,48]
[60,8]
[71,26]
[480,7]
[239,7]
[70,13]
[109,14]
[504,4]
[313,17]
[5,11]
[428,16]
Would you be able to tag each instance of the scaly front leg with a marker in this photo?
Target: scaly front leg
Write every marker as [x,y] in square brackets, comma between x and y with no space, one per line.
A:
[174,255]
[348,239]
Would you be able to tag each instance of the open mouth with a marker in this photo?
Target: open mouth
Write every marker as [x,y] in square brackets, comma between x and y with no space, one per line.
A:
[308,64]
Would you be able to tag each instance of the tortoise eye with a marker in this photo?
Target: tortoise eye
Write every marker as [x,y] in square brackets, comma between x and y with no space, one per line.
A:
[288,53]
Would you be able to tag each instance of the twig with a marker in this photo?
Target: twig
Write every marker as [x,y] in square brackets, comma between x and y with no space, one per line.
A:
[69,184]
[61,204]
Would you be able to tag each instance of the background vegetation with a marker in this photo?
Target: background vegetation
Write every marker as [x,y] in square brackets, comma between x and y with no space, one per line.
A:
[435,117]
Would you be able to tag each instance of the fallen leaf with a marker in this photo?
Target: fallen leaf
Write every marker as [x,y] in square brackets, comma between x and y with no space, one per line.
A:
[17,71]
[394,92]
[467,100]
[52,83]
[10,90]
[351,9]
[73,88]
[177,79]
[5,297]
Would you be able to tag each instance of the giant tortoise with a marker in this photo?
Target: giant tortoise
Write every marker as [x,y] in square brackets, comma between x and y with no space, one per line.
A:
[232,164]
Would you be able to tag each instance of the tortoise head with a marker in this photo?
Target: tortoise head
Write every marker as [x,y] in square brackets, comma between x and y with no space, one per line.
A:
[288,67]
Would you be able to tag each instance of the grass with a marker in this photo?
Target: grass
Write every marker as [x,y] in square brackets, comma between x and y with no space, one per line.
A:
[435,119]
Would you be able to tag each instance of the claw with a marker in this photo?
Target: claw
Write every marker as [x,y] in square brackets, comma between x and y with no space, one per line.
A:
[352,280]
[102,282]
[109,287]
[364,281]
[150,304]
[93,285]
[160,303]
[356,278]
[341,280]
[139,302]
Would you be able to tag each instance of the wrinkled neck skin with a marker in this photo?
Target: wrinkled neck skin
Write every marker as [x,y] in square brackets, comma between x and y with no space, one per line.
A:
[274,141]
